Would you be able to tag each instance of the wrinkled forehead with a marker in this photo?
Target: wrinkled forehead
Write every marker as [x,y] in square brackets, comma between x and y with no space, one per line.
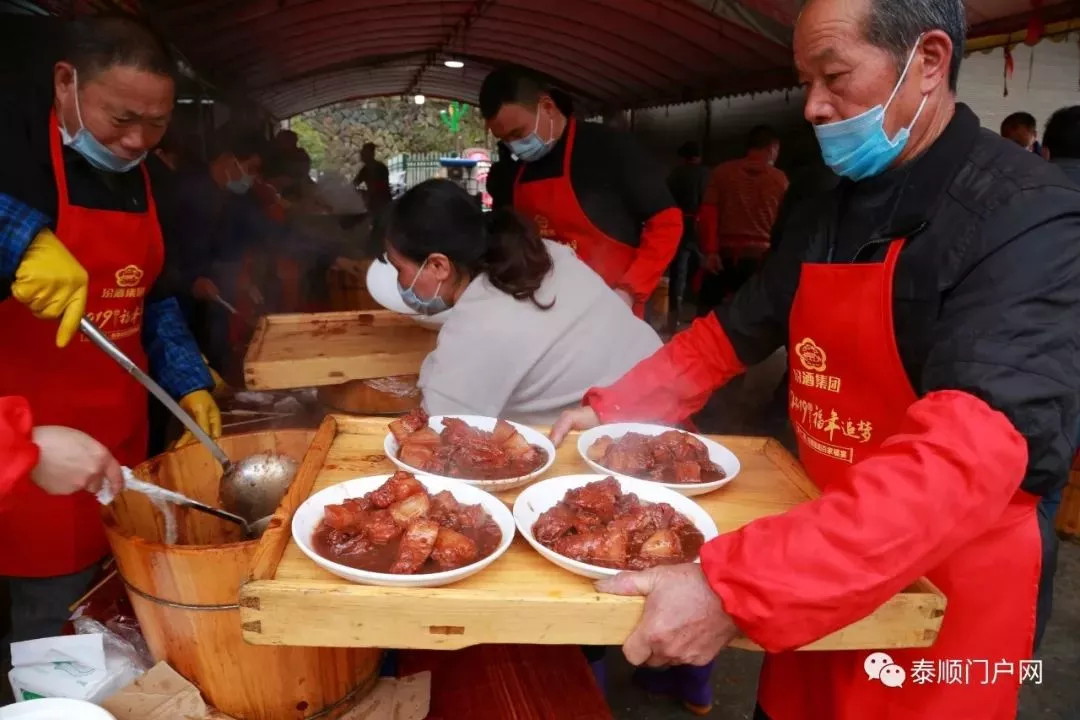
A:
[829,30]
[128,90]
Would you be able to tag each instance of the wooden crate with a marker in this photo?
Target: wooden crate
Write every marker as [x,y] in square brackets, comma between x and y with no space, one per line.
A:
[521,598]
[317,349]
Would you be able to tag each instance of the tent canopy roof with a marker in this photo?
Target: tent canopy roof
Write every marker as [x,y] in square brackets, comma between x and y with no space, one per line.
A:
[295,55]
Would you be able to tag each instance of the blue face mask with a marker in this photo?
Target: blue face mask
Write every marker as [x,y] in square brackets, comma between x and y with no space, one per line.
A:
[432,306]
[84,143]
[242,184]
[531,148]
[859,148]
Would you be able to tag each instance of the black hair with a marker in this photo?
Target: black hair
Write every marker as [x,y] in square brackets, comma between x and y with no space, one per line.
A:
[689,150]
[761,137]
[93,45]
[512,84]
[895,25]
[1062,136]
[438,216]
[1019,120]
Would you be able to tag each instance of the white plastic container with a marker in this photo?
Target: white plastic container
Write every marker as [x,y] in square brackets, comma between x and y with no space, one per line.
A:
[54,709]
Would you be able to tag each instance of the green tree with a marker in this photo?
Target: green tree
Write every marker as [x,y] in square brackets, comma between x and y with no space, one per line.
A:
[334,135]
[311,140]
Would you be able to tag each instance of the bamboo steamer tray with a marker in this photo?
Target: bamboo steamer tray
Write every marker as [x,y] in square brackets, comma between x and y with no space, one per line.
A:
[521,598]
[318,349]
[186,596]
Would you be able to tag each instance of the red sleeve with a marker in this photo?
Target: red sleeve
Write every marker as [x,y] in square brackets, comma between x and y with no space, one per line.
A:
[18,453]
[674,383]
[708,221]
[940,481]
[659,242]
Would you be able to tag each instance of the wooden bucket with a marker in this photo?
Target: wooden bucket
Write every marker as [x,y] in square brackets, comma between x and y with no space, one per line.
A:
[1068,515]
[348,288]
[382,396]
[186,596]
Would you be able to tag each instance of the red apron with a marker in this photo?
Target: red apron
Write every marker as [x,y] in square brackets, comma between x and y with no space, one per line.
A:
[554,207]
[849,392]
[80,386]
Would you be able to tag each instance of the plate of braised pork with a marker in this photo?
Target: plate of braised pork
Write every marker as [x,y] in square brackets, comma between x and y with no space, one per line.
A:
[402,530]
[598,526]
[487,452]
[686,463]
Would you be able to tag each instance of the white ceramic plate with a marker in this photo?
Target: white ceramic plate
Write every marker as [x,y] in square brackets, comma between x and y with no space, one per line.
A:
[382,283]
[54,709]
[309,514]
[720,455]
[391,448]
[546,494]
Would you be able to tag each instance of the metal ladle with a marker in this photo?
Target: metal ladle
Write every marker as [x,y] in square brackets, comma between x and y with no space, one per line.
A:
[251,488]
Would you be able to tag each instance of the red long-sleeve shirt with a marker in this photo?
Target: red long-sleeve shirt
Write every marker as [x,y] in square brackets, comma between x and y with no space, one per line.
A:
[794,578]
[18,453]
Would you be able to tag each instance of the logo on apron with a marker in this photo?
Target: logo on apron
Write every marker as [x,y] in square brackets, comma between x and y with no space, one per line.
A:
[810,355]
[819,426]
[119,311]
[129,276]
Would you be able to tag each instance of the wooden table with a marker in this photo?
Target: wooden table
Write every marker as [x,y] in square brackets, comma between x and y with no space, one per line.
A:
[521,598]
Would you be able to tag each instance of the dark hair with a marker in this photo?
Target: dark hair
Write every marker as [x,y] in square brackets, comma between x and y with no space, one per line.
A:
[689,150]
[438,216]
[511,84]
[1019,120]
[1062,136]
[93,45]
[762,137]
[367,145]
[895,25]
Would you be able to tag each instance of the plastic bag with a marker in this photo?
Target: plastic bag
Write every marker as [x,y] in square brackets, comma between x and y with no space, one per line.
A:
[122,640]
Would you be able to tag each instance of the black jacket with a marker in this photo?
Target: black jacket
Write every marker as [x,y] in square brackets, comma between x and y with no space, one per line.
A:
[986,291]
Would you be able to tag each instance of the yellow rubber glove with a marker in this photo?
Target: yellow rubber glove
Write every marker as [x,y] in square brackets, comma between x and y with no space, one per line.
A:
[201,406]
[220,385]
[52,283]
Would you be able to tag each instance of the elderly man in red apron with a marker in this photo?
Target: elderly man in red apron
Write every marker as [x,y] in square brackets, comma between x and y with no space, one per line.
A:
[930,306]
[73,179]
[585,185]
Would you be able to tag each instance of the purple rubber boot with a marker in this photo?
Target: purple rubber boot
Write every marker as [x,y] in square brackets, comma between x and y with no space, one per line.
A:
[687,684]
[599,671]
[656,683]
[693,687]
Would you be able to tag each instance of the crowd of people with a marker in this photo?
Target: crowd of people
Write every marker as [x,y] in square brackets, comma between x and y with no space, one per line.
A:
[926,293]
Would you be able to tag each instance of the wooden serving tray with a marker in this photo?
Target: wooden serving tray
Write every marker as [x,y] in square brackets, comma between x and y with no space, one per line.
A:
[317,349]
[521,598]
